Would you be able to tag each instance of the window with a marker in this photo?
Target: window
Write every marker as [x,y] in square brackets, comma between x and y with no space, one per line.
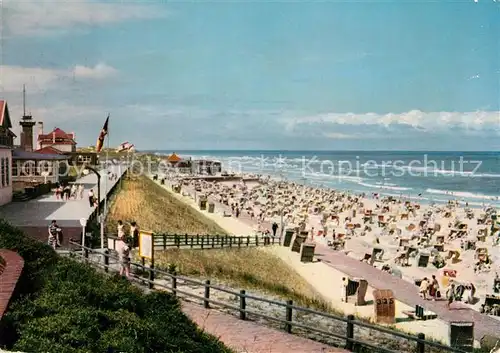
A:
[14,168]
[2,172]
[44,167]
[84,159]
[7,171]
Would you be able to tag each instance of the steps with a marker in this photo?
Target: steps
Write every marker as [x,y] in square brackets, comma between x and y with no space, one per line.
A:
[20,197]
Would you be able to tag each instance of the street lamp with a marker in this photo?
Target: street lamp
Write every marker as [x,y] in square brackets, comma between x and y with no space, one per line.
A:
[86,172]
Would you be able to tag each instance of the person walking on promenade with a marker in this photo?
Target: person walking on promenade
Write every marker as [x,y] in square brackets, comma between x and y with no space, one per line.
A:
[134,234]
[80,191]
[424,288]
[434,288]
[91,198]
[124,258]
[120,231]
[54,235]
[450,295]
[343,291]
[274,228]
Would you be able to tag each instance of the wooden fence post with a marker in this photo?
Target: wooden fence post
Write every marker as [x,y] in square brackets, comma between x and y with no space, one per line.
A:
[106,260]
[230,242]
[202,242]
[165,241]
[174,284]
[186,239]
[151,275]
[288,325]
[197,239]
[213,243]
[192,240]
[349,344]
[243,305]
[421,345]
[239,242]
[206,303]
[256,240]
[248,241]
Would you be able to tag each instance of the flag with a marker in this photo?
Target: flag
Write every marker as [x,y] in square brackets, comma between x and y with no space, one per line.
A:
[102,135]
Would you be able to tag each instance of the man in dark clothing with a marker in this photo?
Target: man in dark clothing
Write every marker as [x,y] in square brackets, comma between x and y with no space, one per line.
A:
[275,228]
[134,234]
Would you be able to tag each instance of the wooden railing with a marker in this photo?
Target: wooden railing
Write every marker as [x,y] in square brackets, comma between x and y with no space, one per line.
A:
[185,241]
[352,343]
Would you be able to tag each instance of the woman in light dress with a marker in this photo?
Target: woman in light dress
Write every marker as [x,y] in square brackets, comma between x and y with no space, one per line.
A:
[121,231]
[124,257]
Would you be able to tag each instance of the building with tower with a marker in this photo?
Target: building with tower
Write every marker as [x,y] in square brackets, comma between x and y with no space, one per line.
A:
[29,167]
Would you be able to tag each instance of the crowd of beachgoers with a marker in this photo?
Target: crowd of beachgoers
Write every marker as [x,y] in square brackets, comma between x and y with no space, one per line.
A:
[455,243]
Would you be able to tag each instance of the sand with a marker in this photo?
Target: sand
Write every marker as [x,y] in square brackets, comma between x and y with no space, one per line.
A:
[358,245]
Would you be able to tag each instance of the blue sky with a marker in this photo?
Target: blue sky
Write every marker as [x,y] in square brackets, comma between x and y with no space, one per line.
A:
[260,75]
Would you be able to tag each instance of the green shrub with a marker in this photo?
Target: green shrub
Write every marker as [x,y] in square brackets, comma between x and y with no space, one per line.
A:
[75,309]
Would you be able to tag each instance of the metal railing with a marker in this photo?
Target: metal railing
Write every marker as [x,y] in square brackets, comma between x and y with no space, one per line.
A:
[352,343]
[204,242]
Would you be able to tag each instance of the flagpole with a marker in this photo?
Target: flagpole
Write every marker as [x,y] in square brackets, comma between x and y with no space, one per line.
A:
[106,177]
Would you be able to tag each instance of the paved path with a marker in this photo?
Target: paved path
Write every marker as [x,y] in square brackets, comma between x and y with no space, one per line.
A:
[40,211]
[407,292]
[249,337]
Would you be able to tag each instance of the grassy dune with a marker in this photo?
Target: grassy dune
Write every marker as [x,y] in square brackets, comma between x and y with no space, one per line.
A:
[155,209]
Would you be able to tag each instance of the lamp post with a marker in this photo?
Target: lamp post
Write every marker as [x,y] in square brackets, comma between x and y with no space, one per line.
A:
[83,223]
[86,171]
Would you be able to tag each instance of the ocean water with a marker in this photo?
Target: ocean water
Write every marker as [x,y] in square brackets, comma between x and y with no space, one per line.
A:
[473,177]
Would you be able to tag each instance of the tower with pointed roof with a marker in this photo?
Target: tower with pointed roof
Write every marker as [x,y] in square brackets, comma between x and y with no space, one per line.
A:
[27,124]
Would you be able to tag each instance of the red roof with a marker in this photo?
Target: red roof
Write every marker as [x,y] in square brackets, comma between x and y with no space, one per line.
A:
[49,142]
[174,158]
[48,150]
[57,133]
[4,115]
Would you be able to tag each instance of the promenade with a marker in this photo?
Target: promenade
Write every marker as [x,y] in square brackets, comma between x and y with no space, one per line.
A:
[35,215]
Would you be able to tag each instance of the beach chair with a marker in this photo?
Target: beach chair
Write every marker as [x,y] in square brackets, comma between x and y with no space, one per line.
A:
[381,222]
[480,252]
[402,260]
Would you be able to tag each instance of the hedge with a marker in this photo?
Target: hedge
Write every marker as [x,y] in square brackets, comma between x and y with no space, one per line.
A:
[65,306]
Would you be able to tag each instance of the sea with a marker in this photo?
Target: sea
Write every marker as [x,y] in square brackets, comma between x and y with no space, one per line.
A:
[428,176]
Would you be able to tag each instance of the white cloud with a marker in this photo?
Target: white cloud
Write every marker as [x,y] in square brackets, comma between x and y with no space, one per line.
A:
[99,71]
[46,17]
[38,79]
[430,122]
[340,136]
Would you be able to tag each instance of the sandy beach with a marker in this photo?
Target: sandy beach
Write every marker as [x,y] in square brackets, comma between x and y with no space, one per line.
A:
[356,224]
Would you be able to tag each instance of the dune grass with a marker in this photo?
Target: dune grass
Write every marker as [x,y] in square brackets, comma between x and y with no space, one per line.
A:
[154,208]
[247,268]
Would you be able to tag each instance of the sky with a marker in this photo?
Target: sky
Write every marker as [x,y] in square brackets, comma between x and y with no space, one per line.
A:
[294,75]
